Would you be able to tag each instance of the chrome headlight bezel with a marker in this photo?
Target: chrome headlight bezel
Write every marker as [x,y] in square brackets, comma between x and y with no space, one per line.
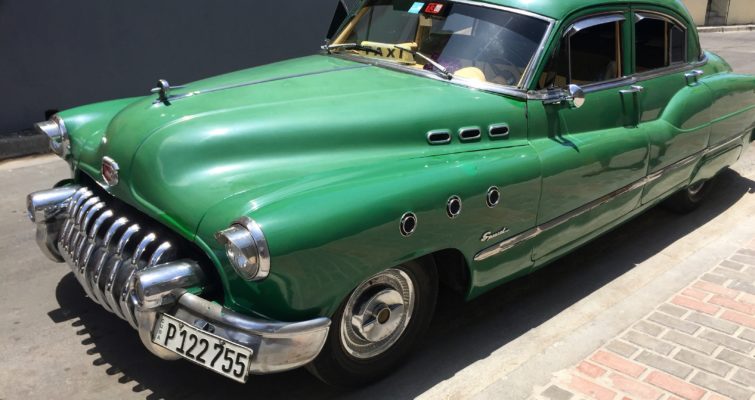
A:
[56,132]
[246,249]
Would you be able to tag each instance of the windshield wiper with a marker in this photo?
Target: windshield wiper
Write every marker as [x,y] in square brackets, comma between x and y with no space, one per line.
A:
[439,69]
[347,46]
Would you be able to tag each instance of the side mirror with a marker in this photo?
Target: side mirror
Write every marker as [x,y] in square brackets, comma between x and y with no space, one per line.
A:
[576,96]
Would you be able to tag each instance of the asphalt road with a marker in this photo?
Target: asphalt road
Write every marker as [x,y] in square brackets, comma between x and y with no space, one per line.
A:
[58,344]
[737,48]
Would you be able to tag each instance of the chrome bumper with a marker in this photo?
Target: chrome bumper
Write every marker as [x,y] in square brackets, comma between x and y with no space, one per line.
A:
[134,275]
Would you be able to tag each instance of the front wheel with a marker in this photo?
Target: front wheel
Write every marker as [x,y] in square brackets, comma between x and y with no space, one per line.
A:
[689,198]
[377,325]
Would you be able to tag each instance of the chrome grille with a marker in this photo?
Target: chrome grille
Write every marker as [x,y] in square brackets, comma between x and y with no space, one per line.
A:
[105,246]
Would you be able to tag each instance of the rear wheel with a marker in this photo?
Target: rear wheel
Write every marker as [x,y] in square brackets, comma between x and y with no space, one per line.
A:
[377,325]
[689,198]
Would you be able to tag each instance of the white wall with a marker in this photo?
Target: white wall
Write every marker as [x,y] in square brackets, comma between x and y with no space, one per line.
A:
[697,8]
[741,12]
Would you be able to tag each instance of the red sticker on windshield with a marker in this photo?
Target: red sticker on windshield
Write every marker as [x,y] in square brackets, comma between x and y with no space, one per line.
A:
[434,8]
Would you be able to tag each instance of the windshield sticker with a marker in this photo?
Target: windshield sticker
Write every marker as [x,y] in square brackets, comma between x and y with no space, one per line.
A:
[416,8]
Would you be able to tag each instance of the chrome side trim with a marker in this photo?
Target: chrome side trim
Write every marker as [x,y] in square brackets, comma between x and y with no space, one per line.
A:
[673,167]
[516,240]
[258,82]
[729,143]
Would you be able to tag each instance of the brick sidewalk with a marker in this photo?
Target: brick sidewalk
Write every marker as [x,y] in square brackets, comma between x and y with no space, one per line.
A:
[698,345]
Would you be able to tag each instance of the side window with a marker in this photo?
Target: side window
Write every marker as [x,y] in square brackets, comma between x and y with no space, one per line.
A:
[658,43]
[590,52]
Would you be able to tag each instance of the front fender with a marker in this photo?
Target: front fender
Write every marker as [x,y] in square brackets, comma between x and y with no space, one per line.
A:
[86,125]
[328,233]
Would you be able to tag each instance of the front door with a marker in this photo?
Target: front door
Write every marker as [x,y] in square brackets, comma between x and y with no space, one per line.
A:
[592,156]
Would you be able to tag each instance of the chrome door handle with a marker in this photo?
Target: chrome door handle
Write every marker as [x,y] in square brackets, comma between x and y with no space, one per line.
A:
[694,76]
[634,89]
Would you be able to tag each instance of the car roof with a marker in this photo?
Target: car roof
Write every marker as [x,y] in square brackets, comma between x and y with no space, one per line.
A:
[560,9]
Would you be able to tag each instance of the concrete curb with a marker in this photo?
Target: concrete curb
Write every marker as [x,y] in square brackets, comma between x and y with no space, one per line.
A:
[21,144]
[725,29]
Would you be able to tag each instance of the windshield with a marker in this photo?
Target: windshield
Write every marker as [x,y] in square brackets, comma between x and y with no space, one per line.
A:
[469,41]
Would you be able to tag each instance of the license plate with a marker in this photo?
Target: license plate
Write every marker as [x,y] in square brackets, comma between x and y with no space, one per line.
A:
[203,348]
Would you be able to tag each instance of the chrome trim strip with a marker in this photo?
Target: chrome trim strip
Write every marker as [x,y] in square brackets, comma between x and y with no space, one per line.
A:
[730,142]
[677,165]
[672,69]
[529,72]
[516,240]
[504,8]
[594,20]
[546,94]
[643,14]
[258,82]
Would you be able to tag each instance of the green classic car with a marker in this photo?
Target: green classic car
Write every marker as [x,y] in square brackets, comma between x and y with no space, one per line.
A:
[305,213]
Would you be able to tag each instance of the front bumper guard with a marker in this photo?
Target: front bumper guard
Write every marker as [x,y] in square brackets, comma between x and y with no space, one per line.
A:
[276,346]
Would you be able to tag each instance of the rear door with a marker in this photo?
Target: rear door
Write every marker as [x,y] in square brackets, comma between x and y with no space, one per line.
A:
[673,105]
[593,155]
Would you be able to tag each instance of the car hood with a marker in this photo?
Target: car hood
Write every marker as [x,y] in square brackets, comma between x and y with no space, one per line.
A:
[268,128]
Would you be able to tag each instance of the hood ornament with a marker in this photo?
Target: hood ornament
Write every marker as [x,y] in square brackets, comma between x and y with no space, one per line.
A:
[110,171]
[163,91]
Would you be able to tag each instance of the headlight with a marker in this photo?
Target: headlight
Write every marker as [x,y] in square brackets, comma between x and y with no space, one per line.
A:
[55,129]
[246,248]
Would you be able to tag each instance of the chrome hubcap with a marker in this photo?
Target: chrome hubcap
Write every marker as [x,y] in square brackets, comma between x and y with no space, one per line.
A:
[377,314]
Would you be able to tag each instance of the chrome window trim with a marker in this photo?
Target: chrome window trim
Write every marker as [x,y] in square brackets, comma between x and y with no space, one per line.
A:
[593,21]
[610,84]
[660,16]
[517,91]
[529,72]
[505,8]
[652,14]
[671,69]
[547,94]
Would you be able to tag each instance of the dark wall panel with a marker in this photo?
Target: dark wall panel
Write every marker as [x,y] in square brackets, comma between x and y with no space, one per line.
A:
[56,54]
